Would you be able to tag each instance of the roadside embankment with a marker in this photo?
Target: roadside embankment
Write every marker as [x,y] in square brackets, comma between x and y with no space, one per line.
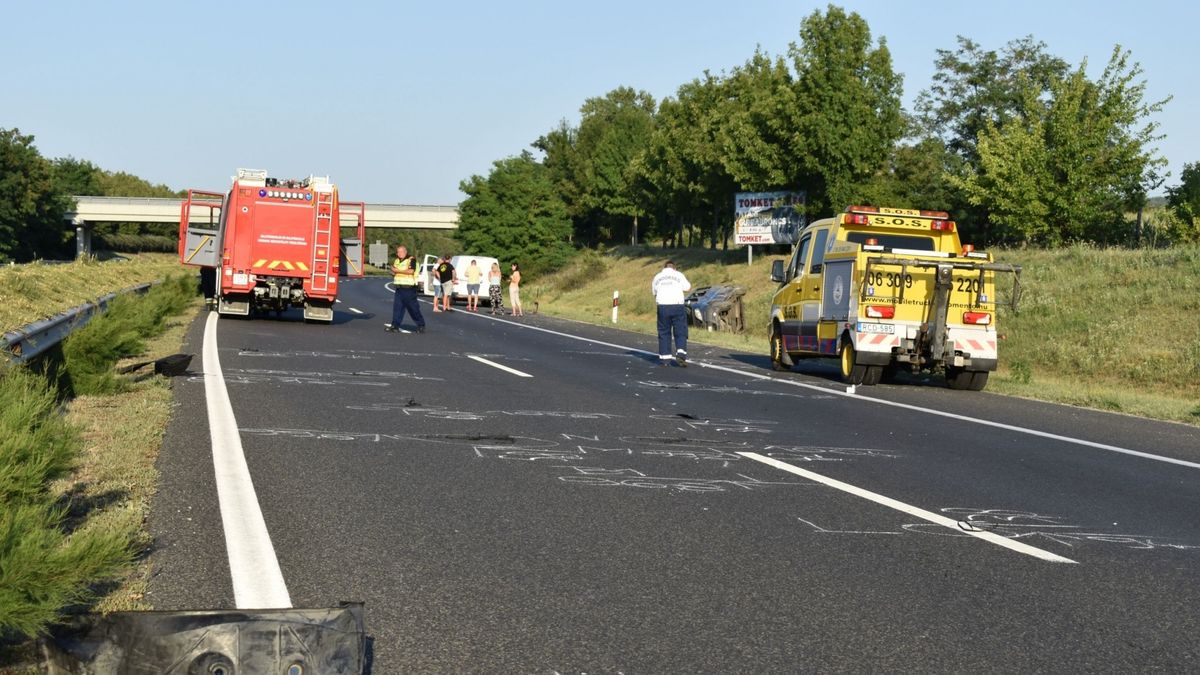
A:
[78,442]
[1112,329]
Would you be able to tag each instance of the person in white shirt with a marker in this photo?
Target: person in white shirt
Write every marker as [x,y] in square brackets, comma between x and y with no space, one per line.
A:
[669,287]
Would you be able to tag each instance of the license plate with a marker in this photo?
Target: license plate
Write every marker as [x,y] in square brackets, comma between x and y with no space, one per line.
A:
[876,328]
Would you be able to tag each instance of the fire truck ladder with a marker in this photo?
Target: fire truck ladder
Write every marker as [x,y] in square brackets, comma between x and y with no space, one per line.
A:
[322,238]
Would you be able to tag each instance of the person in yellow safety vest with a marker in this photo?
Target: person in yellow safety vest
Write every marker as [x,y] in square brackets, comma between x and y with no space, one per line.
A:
[404,279]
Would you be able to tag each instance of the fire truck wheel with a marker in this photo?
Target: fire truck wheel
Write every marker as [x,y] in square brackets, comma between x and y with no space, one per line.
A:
[873,375]
[777,351]
[979,380]
[957,378]
[852,372]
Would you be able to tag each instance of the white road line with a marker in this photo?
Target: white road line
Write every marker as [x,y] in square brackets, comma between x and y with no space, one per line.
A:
[257,579]
[356,310]
[909,509]
[493,364]
[860,397]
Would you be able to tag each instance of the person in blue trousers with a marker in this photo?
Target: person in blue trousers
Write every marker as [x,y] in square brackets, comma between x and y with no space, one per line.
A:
[669,288]
[404,279]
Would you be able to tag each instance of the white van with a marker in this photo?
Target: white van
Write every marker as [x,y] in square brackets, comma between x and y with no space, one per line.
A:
[461,263]
[425,274]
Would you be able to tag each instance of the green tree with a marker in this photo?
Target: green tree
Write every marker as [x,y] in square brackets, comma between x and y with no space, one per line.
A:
[1184,199]
[121,184]
[31,208]
[756,124]
[516,214]
[846,106]
[77,177]
[680,175]
[915,176]
[973,86]
[1068,168]
[613,130]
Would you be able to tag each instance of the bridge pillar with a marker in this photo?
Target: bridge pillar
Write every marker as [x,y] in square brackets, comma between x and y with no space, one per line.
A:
[83,237]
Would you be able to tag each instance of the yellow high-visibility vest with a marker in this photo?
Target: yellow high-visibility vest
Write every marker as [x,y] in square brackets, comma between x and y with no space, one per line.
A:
[404,277]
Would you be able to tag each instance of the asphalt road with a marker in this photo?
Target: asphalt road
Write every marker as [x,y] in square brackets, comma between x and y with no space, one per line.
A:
[605,515]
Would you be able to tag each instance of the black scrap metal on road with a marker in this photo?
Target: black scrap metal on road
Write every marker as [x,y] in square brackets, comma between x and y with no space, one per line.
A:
[601,517]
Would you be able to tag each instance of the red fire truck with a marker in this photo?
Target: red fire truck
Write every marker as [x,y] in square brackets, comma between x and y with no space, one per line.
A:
[270,244]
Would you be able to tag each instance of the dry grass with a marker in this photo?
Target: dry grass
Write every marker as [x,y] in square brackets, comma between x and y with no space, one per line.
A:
[37,290]
[1112,329]
[122,435]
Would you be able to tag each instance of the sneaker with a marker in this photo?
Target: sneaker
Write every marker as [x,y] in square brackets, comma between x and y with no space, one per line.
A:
[389,328]
[421,328]
[681,359]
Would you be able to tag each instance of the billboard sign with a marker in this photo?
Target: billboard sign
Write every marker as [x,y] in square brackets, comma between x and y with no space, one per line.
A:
[767,217]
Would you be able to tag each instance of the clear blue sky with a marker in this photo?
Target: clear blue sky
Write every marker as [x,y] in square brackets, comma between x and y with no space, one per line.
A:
[399,101]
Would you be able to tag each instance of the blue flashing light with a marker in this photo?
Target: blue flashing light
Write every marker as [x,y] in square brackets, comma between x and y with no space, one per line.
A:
[308,196]
[262,193]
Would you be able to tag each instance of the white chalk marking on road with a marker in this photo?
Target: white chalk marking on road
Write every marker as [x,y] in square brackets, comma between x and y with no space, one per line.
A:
[909,509]
[257,580]
[355,309]
[493,364]
[338,301]
[860,397]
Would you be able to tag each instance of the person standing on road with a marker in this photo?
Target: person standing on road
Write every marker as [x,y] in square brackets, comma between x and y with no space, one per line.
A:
[404,283]
[494,288]
[474,276]
[514,290]
[669,287]
[437,284]
[445,273]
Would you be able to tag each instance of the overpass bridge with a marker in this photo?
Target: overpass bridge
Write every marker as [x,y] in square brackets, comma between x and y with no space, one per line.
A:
[89,209]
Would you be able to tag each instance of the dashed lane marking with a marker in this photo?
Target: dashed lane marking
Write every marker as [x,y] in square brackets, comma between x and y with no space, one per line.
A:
[493,364]
[911,510]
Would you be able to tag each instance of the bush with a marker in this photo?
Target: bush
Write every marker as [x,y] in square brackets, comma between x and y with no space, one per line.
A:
[137,243]
[44,567]
[92,351]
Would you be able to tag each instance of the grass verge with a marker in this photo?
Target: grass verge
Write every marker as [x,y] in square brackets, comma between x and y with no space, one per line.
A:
[37,290]
[1112,329]
[75,489]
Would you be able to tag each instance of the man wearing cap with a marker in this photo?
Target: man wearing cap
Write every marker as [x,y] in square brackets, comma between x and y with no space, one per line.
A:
[669,287]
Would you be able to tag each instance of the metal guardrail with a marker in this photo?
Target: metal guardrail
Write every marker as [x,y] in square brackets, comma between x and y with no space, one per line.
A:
[30,341]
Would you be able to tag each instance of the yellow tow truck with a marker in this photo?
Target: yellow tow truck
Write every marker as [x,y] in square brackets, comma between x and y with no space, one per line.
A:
[885,289]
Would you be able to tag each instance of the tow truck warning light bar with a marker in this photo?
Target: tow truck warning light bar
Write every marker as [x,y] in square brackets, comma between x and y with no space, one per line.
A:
[937,221]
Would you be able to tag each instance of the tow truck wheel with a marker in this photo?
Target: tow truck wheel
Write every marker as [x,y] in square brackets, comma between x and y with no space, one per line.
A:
[852,373]
[777,351]
[873,375]
[979,380]
[957,378]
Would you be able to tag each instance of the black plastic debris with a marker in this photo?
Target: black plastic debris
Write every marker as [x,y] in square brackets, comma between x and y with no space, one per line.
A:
[171,366]
[215,642]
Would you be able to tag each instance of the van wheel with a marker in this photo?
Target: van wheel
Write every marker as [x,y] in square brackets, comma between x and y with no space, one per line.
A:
[979,380]
[852,373]
[777,351]
[957,378]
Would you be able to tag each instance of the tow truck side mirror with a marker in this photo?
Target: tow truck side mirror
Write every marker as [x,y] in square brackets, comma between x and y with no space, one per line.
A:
[777,272]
